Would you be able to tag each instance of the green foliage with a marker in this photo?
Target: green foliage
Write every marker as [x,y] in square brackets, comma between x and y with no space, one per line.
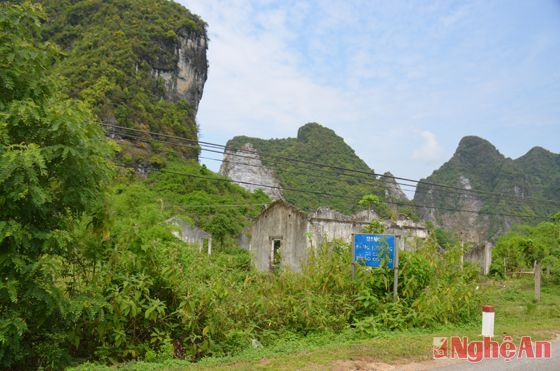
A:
[112,49]
[427,282]
[445,238]
[370,200]
[146,295]
[521,247]
[53,169]
[184,190]
[375,226]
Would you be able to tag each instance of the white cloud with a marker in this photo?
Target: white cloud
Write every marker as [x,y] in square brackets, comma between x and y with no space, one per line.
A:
[430,150]
[375,73]
[255,86]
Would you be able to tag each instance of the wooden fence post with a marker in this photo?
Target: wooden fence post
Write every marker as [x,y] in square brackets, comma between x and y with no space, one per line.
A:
[537,281]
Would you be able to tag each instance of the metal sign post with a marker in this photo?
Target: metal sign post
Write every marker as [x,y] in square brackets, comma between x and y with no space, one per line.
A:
[372,249]
[396,269]
[353,255]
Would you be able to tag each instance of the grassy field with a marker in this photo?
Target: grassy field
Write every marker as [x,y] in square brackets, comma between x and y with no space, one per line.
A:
[516,315]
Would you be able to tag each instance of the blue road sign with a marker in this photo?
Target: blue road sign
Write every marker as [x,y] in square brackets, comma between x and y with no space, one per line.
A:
[371,249]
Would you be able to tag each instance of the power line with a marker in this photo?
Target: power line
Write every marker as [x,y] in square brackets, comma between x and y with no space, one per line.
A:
[226,149]
[396,203]
[147,140]
[330,177]
[218,205]
[409,204]
[343,196]
[302,173]
[135,136]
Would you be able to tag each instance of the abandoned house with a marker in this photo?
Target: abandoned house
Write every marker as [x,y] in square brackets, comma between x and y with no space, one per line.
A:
[282,234]
[191,234]
[481,253]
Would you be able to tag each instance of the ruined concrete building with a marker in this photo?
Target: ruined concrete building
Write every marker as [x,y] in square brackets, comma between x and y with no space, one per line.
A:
[191,234]
[282,234]
[481,253]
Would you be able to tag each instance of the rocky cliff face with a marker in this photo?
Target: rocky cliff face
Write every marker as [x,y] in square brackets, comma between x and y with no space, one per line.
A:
[245,165]
[187,77]
[308,185]
[393,191]
[123,57]
[314,143]
[505,188]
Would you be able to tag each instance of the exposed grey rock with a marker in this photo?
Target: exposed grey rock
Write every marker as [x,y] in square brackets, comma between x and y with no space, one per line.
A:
[468,224]
[186,80]
[245,165]
[393,192]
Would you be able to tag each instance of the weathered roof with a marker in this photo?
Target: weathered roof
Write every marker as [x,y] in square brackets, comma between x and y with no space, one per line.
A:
[328,214]
[188,228]
[282,203]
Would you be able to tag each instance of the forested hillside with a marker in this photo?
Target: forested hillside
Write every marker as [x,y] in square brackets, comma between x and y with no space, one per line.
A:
[137,63]
[318,144]
[529,186]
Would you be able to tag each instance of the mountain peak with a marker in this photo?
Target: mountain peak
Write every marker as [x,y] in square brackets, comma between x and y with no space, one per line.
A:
[313,129]
[473,142]
[474,150]
[392,191]
[538,151]
[314,143]
[539,161]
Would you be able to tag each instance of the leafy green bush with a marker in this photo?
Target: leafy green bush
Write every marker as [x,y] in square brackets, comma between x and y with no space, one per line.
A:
[427,281]
[157,296]
[53,169]
[524,244]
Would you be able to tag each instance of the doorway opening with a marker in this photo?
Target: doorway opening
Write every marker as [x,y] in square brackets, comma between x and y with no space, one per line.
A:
[275,255]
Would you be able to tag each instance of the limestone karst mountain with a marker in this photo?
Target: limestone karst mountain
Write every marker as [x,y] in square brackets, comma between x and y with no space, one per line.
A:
[502,185]
[314,143]
[498,185]
[138,63]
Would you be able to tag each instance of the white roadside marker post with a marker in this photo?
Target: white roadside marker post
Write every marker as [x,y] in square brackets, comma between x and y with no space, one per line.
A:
[487,321]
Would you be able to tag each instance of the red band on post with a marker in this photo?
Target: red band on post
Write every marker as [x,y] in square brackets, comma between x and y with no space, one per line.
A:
[487,308]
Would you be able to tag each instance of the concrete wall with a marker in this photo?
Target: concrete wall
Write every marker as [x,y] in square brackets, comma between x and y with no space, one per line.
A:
[481,254]
[244,239]
[299,232]
[190,234]
[328,225]
[286,223]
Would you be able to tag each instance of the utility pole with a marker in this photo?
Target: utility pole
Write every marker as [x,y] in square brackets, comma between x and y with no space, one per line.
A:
[462,250]
[353,254]
[537,281]
[396,268]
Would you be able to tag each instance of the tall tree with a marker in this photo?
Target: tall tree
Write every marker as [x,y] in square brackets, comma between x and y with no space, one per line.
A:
[53,169]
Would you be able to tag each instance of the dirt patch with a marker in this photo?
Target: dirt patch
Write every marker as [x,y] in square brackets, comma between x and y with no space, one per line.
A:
[372,365]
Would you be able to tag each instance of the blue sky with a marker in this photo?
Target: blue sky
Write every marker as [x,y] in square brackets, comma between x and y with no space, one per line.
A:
[401,81]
